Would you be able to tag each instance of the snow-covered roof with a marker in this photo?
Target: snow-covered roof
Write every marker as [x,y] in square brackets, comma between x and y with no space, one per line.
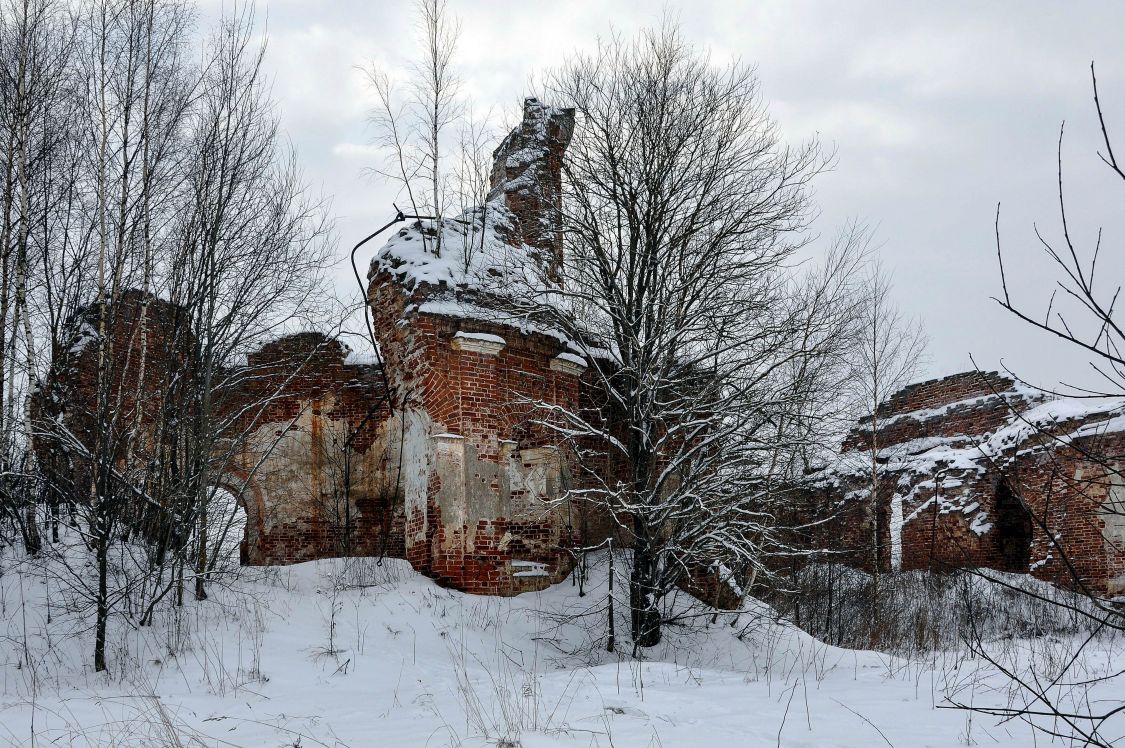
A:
[1065,419]
[468,253]
[506,249]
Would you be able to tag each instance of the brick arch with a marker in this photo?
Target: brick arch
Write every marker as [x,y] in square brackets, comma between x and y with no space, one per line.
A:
[251,498]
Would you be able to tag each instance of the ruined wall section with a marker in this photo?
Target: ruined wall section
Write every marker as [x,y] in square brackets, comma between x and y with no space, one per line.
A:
[976,471]
[319,460]
[958,407]
[1078,506]
[934,504]
[525,176]
[303,442]
[482,477]
[134,351]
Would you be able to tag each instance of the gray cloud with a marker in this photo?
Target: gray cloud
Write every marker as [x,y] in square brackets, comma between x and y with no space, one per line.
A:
[938,110]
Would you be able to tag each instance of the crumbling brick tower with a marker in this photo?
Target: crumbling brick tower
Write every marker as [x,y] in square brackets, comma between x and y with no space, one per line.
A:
[481,477]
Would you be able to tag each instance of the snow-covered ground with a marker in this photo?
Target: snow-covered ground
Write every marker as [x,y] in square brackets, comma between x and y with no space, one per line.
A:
[347,653]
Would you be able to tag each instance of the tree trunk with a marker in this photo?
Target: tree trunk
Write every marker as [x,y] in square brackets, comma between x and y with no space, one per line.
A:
[875,539]
[643,610]
[102,601]
[611,639]
[201,568]
[32,540]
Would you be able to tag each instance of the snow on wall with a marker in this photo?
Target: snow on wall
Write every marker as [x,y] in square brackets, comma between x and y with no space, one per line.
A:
[465,253]
[483,337]
[509,244]
[896,532]
[926,454]
[964,467]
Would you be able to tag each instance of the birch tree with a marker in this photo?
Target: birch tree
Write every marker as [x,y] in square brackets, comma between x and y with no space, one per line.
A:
[182,238]
[435,87]
[137,90]
[889,351]
[252,253]
[36,41]
[433,146]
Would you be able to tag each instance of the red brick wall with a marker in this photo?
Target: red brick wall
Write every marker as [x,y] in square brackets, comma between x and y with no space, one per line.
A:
[338,411]
[487,400]
[146,340]
[303,375]
[527,171]
[934,393]
[1066,489]
[970,403]
[1041,499]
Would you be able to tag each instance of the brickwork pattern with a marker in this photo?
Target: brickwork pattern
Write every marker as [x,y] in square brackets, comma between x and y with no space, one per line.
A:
[962,405]
[298,388]
[468,535]
[1044,506]
[461,477]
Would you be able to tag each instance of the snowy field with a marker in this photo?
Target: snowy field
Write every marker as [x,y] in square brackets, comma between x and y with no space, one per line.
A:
[337,653]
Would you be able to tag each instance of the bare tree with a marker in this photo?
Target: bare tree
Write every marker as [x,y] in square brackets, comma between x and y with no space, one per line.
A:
[682,211]
[471,182]
[1058,696]
[137,90]
[1090,325]
[180,237]
[435,88]
[889,350]
[251,261]
[389,120]
[415,131]
[35,48]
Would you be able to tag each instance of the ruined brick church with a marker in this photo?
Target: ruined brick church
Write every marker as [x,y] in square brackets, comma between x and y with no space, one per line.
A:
[449,466]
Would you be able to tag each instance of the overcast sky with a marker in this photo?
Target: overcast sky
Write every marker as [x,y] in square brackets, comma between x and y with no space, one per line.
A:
[938,112]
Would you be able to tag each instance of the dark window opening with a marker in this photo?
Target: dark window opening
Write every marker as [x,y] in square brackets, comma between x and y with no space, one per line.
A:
[1013,530]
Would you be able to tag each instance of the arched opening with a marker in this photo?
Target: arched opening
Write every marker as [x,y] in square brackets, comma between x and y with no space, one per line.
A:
[1013,530]
[227,528]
